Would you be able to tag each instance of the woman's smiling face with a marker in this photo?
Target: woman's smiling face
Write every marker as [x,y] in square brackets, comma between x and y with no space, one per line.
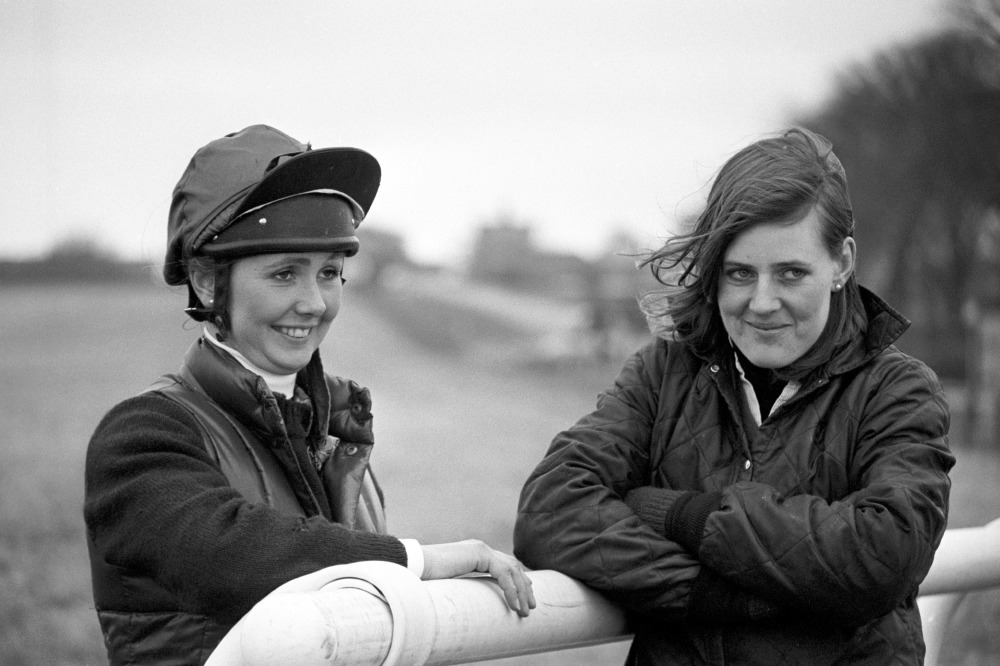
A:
[281,306]
[774,289]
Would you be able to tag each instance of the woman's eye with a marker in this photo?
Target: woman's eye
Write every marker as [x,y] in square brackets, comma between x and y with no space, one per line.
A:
[739,274]
[794,274]
[284,275]
[330,273]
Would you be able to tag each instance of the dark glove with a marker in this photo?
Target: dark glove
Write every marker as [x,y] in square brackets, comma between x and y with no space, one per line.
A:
[678,515]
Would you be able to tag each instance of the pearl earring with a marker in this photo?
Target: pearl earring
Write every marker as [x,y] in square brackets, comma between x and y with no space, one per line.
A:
[837,286]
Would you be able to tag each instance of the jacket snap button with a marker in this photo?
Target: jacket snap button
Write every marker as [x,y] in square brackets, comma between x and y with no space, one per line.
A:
[746,465]
[714,368]
[351,450]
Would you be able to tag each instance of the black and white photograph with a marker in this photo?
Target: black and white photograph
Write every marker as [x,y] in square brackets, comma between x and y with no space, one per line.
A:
[557,333]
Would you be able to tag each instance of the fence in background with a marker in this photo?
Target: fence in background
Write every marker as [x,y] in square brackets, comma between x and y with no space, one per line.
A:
[373,613]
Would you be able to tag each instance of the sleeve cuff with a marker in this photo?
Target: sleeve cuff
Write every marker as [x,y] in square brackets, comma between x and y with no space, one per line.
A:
[414,557]
[686,518]
[651,505]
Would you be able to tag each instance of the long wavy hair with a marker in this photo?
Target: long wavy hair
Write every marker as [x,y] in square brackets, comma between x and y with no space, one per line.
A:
[776,179]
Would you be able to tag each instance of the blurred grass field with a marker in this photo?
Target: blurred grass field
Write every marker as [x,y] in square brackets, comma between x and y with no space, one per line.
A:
[458,429]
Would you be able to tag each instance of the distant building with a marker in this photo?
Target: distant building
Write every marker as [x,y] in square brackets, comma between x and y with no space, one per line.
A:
[607,288]
[505,253]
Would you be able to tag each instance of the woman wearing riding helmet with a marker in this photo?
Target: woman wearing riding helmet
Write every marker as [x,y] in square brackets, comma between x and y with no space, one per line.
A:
[248,467]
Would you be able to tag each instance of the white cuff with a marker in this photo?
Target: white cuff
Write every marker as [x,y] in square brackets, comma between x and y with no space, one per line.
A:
[414,557]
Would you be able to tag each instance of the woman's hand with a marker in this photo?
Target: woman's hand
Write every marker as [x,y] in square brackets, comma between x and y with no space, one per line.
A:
[448,560]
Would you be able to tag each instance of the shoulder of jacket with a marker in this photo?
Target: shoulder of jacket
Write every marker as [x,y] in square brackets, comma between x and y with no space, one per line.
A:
[176,390]
[893,363]
[668,356]
[146,411]
[187,397]
[659,363]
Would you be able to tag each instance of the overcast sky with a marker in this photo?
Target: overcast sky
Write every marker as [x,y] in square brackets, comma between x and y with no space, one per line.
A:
[577,116]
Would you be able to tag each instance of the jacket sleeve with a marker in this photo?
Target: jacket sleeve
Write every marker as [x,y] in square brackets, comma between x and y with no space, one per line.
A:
[856,558]
[572,517]
[157,503]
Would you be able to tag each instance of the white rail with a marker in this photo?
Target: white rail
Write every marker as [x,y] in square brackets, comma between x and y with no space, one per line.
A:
[967,560]
[376,613]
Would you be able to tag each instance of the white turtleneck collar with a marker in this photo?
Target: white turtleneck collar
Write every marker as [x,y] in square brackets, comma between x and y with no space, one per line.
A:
[277,383]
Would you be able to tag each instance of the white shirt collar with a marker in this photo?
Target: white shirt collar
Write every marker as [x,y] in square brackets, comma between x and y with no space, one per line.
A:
[791,388]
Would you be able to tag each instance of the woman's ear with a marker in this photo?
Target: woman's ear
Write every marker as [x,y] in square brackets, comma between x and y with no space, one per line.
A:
[845,261]
[203,283]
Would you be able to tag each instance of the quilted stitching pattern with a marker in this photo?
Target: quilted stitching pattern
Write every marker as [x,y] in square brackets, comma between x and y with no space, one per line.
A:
[836,516]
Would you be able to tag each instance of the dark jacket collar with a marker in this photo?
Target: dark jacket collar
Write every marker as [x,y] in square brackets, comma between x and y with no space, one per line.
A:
[885,326]
[245,394]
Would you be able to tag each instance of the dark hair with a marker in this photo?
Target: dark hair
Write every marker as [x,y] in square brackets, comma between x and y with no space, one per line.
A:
[776,179]
[218,313]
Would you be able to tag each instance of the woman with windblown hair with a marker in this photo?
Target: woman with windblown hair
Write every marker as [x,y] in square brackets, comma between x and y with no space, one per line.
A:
[767,481]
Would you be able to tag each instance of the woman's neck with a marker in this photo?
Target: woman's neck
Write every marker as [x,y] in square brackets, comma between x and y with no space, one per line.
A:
[284,384]
[767,386]
[756,374]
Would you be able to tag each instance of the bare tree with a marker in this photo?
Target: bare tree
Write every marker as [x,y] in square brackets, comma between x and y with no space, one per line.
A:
[918,130]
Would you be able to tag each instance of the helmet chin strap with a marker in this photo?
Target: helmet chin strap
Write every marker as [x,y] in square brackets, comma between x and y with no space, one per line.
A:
[195,309]
[220,308]
[216,313]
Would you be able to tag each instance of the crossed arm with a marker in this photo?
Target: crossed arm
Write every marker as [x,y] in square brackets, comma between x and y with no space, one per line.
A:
[747,551]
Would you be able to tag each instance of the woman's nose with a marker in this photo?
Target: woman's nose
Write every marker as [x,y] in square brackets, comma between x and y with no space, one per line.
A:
[312,299]
[764,297]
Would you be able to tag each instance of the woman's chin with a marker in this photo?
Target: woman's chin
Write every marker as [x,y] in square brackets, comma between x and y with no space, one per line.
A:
[768,359]
[288,363]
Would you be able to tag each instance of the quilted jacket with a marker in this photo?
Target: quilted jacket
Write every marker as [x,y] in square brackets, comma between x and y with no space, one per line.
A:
[816,527]
[187,530]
